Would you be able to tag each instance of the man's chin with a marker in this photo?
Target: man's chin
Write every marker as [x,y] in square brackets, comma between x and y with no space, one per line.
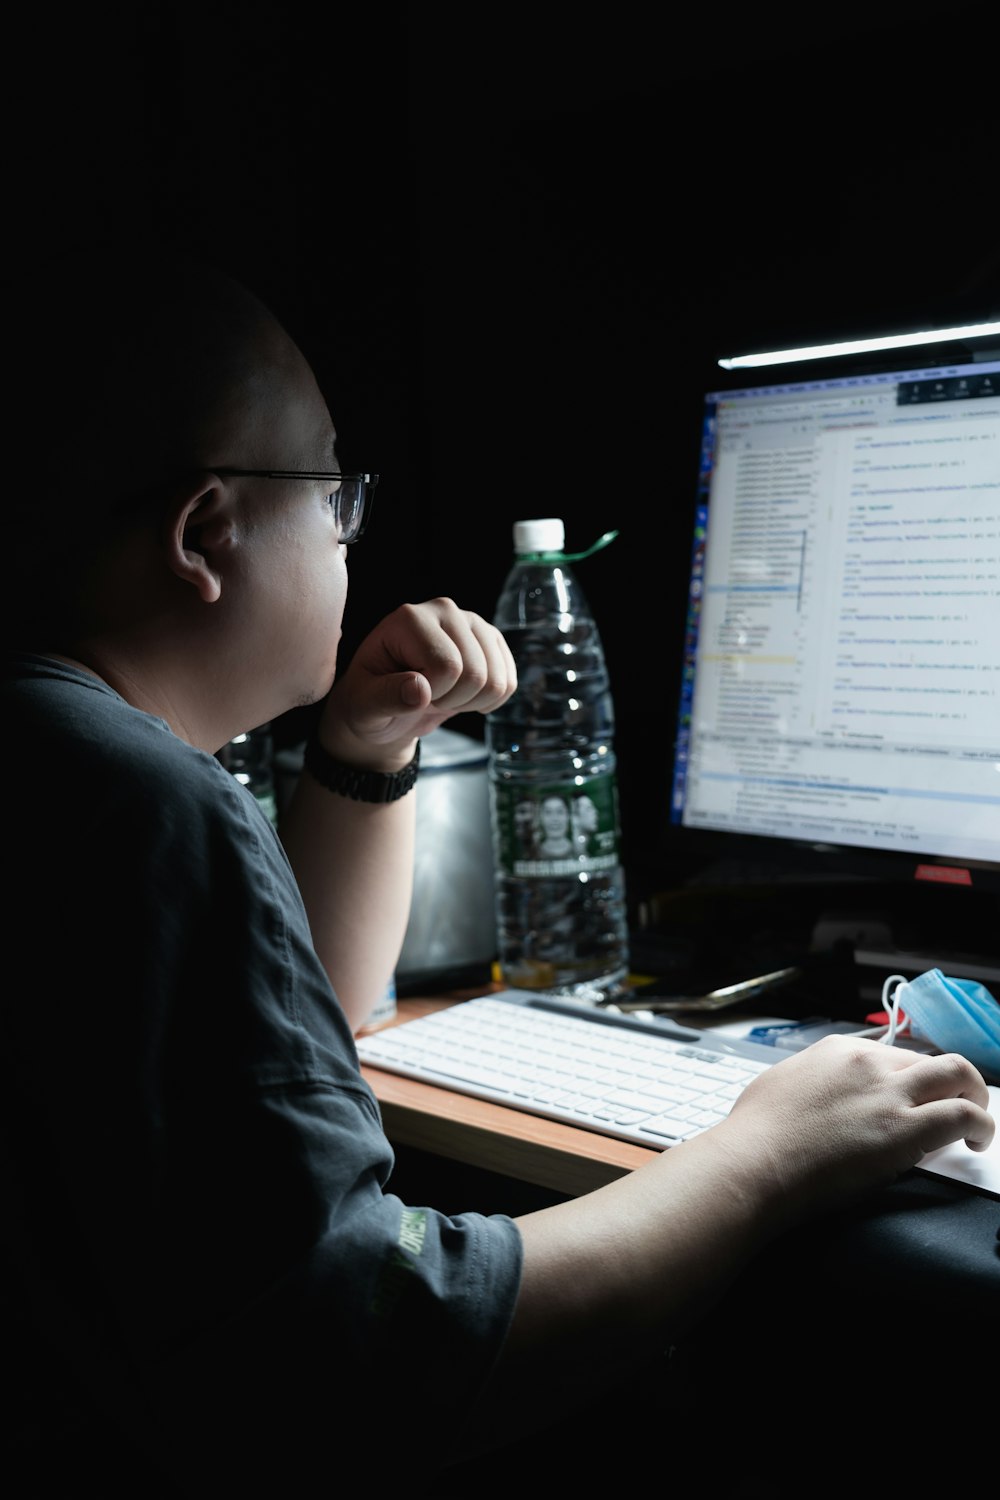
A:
[308,699]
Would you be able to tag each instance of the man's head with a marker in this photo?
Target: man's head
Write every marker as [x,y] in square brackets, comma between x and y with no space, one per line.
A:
[139,381]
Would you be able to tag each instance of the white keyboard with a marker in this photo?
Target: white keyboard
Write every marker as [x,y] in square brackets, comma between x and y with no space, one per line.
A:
[619,1075]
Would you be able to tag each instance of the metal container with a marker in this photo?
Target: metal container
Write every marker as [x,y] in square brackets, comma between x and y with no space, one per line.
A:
[451,936]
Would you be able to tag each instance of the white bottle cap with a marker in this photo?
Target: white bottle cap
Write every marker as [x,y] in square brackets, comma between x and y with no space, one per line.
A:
[539,536]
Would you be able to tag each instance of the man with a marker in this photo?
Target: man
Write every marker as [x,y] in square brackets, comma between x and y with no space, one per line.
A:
[209,1274]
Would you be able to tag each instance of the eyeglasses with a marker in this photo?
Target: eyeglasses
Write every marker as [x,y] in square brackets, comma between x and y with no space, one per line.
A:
[351,498]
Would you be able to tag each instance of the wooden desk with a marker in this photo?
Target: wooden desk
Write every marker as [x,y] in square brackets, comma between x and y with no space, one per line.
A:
[490,1136]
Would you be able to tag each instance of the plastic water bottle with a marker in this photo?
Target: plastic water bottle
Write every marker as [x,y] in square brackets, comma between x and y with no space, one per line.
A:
[250,758]
[385,1009]
[562,922]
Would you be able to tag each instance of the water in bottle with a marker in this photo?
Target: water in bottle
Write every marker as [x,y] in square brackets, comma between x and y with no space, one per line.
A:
[561,909]
[250,758]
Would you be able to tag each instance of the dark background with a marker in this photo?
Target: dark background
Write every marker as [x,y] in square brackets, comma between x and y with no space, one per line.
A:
[513,241]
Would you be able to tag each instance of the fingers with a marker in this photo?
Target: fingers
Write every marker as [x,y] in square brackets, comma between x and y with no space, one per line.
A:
[952,1098]
[420,665]
[466,660]
[944,1099]
[955,1119]
[947,1073]
[481,675]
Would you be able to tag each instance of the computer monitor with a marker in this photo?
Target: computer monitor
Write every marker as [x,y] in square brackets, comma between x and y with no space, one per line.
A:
[839,713]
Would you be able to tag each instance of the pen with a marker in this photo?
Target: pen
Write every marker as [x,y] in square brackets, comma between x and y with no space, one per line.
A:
[729,994]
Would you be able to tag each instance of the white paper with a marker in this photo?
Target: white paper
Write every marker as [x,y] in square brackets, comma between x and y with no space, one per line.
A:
[979,1168]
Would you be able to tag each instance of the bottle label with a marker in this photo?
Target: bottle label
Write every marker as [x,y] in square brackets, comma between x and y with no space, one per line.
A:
[557,827]
[385,1008]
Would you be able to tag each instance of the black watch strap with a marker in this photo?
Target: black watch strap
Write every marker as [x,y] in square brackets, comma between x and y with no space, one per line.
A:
[350,781]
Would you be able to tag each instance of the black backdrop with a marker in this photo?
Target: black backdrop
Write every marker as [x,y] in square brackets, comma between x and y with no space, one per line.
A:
[512,241]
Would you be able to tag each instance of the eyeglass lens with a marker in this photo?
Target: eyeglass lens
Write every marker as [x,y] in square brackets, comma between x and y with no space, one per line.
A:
[350,503]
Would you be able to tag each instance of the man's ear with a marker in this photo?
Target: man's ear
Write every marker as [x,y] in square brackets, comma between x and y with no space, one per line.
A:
[199,530]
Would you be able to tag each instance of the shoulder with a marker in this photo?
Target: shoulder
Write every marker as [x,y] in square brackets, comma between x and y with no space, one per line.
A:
[91,750]
[160,874]
[112,805]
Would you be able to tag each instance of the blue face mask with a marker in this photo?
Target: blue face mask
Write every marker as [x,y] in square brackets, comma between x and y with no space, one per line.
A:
[954,1015]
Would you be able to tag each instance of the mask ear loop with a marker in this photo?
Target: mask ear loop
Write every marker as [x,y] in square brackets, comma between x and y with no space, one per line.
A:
[890,1004]
[897,1019]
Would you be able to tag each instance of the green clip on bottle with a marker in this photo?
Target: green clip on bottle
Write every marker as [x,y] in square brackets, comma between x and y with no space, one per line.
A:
[560,888]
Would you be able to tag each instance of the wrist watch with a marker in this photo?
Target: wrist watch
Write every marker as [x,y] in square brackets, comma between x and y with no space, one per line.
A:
[351,781]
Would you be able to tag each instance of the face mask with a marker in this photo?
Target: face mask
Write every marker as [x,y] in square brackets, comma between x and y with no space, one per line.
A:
[954,1015]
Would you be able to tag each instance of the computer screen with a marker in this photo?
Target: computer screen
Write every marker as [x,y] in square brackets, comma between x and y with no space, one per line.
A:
[840,687]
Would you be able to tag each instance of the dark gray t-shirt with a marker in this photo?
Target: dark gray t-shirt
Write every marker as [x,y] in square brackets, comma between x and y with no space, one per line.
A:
[197,1168]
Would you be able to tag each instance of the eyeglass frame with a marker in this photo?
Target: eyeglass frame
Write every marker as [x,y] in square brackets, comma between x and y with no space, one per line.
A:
[368,481]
